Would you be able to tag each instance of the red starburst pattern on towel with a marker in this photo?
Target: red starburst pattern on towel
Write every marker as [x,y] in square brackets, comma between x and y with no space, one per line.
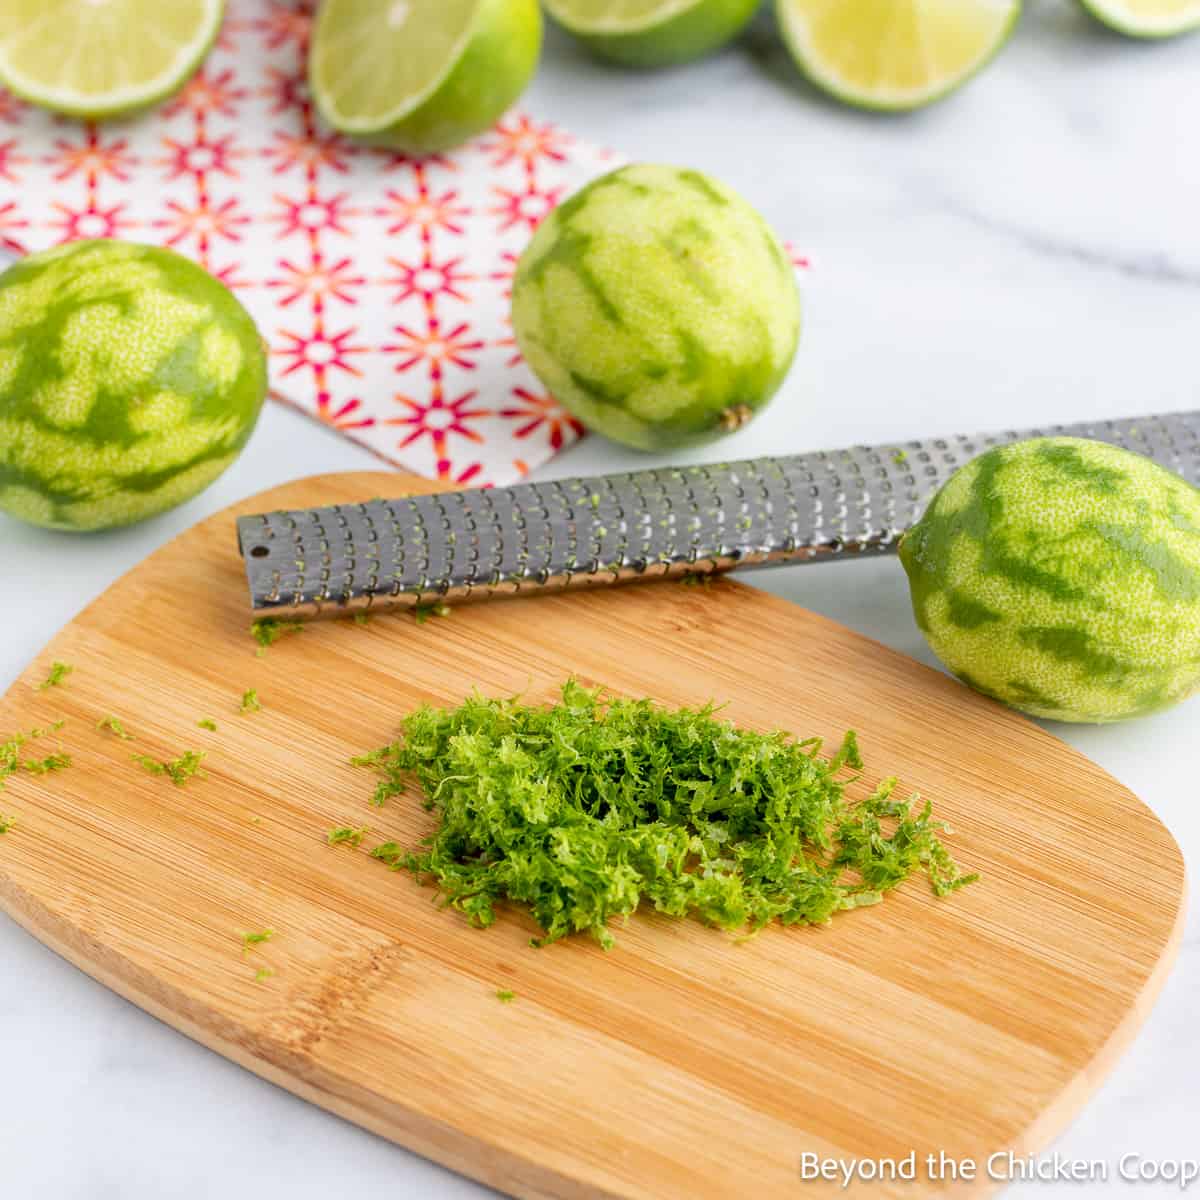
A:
[539,413]
[380,280]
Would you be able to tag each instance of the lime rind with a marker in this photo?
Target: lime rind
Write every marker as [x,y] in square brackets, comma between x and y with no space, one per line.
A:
[882,100]
[118,102]
[653,18]
[1118,18]
[487,52]
[668,35]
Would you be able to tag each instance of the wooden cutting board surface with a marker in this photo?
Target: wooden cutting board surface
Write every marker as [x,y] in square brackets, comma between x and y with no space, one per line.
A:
[683,1062]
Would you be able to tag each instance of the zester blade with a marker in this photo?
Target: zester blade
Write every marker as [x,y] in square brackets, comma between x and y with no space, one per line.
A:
[539,537]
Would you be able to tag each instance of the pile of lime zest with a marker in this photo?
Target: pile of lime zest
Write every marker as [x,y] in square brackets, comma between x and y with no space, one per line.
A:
[351,835]
[10,751]
[43,766]
[207,723]
[505,996]
[263,974]
[58,672]
[268,631]
[113,725]
[588,808]
[7,823]
[424,612]
[250,702]
[178,770]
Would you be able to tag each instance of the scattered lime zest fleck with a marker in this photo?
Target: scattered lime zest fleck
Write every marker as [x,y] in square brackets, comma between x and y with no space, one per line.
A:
[348,834]
[700,579]
[207,723]
[10,750]
[505,996]
[58,672]
[250,702]
[899,457]
[268,631]
[178,770]
[588,808]
[113,725]
[263,974]
[251,940]
[7,823]
[423,612]
[361,618]
[43,766]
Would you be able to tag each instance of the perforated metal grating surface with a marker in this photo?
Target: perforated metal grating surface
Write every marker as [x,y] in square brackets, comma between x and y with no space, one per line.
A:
[535,537]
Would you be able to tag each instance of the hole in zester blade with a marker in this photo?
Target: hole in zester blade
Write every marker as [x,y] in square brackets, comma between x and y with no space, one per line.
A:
[259,551]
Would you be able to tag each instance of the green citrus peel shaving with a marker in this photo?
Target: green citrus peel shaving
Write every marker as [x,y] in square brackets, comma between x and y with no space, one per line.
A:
[10,754]
[586,809]
[43,766]
[113,725]
[255,938]
[268,631]
[58,672]
[178,770]
[425,612]
[347,835]
[250,701]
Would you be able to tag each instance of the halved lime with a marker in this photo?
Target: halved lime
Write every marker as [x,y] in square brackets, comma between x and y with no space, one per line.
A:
[1146,18]
[652,33]
[423,75]
[894,54]
[99,58]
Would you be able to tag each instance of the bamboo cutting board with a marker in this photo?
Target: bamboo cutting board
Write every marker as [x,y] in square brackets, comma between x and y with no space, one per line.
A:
[682,1063]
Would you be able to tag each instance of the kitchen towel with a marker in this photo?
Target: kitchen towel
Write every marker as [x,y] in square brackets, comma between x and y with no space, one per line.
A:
[380,282]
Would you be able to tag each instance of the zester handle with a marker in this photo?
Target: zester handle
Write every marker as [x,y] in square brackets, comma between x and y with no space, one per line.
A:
[538,537]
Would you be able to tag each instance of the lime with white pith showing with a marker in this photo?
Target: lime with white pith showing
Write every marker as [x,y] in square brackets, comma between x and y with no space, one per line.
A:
[1062,576]
[102,58]
[130,379]
[652,33]
[658,307]
[1146,18]
[421,75]
[894,54]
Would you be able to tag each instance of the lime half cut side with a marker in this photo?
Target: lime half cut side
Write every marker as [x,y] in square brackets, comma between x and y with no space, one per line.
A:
[652,33]
[894,54]
[99,58]
[1147,18]
[419,74]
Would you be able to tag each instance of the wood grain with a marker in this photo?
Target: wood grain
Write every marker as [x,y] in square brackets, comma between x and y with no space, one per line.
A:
[682,1063]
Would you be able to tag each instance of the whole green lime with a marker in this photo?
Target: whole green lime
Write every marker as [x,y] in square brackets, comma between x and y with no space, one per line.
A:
[130,379]
[653,33]
[1062,576]
[658,307]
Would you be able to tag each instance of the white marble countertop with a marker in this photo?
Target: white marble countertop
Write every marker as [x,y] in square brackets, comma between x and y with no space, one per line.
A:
[1028,251]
